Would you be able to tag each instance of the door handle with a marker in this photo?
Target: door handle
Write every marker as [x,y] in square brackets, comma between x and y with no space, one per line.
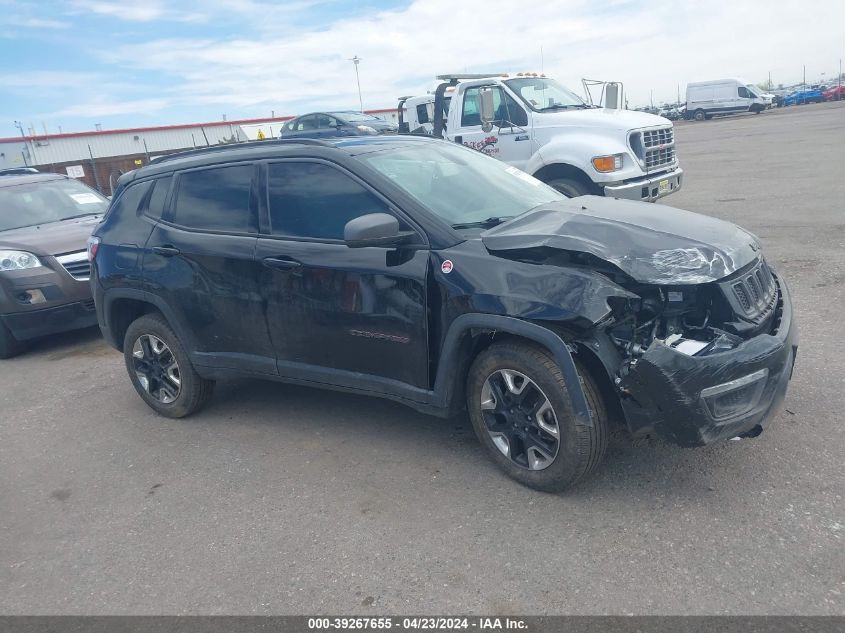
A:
[165,251]
[281,263]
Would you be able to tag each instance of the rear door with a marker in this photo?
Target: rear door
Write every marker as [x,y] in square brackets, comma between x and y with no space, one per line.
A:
[200,260]
[358,310]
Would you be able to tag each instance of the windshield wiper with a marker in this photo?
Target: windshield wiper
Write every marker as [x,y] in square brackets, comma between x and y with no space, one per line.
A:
[81,215]
[483,224]
[563,106]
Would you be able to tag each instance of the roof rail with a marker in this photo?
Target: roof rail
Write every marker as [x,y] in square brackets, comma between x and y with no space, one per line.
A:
[219,148]
[18,171]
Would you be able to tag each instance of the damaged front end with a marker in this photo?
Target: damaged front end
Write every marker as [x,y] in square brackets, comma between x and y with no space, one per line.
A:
[707,362]
[704,346]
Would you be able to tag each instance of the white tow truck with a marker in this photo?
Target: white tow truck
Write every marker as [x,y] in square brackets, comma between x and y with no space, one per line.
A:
[532,122]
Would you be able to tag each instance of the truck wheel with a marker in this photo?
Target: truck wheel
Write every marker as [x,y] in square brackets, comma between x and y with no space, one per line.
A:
[569,187]
[161,371]
[699,115]
[522,414]
[9,345]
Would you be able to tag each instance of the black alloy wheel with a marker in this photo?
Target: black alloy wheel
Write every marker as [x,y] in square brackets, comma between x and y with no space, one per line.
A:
[156,368]
[520,419]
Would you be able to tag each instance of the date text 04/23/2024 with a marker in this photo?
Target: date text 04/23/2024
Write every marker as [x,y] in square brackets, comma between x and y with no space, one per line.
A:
[417,623]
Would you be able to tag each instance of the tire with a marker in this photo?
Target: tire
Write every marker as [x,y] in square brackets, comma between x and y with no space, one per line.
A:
[698,115]
[9,345]
[570,187]
[162,393]
[579,448]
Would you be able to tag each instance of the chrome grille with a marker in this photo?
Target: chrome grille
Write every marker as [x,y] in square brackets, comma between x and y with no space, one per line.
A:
[654,148]
[659,157]
[76,264]
[655,138]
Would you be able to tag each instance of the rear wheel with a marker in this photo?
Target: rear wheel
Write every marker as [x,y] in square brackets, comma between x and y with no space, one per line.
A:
[570,187]
[9,345]
[699,115]
[522,414]
[160,369]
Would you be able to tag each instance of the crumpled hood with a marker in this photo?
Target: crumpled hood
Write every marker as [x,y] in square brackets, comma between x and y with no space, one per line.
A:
[652,243]
[54,238]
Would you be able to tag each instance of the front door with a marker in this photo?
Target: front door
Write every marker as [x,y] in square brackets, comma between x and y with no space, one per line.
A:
[360,310]
[200,260]
[510,140]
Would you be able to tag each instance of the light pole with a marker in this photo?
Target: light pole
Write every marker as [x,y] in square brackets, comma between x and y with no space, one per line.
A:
[25,151]
[356,60]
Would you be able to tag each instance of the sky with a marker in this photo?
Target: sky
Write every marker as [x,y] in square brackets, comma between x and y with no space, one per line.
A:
[72,64]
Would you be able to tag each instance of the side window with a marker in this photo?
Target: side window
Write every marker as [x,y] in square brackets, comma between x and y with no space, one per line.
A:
[306,123]
[215,199]
[471,113]
[316,201]
[156,204]
[130,199]
[324,121]
[422,113]
[743,92]
[506,109]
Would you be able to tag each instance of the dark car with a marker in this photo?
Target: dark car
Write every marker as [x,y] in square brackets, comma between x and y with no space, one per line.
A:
[45,221]
[424,272]
[334,124]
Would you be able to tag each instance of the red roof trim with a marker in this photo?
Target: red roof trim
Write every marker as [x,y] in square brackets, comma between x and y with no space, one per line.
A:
[158,128]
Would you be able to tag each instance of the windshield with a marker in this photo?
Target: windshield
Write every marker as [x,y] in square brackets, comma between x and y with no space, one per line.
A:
[754,90]
[460,185]
[542,94]
[354,117]
[47,201]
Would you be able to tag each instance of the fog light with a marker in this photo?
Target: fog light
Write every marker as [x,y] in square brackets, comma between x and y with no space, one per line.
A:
[731,399]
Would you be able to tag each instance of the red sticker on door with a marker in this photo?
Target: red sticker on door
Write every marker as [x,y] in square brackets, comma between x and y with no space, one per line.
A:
[446,266]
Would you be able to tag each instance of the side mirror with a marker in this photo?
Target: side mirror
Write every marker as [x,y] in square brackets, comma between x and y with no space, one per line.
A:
[487,110]
[373,229]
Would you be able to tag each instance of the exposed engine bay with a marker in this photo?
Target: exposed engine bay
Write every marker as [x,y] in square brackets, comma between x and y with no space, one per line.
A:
[695,320]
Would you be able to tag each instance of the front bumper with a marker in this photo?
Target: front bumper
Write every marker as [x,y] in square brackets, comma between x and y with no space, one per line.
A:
[647,189]
[45,300]
[62,318]
[664,389]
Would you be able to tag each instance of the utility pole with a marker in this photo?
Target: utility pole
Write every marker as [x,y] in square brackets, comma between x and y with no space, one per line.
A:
[19,125]
[839,82]
[356,60]
[804,81]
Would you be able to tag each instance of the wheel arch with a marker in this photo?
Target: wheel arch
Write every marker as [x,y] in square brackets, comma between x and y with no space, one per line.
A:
[122,306]
[470,334]
[554,171]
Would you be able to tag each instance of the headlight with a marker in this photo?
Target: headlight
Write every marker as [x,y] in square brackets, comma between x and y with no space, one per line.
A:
[605,164]
[17,260]
[366,129]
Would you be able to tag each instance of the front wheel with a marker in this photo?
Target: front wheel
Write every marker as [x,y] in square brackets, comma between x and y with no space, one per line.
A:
[160,369]
[522,414]
[570,187]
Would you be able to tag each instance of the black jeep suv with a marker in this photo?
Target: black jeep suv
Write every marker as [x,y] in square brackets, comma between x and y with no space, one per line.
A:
[424,272]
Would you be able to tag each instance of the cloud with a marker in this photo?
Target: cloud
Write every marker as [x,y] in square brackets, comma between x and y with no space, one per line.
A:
[646,45]
[33,23]
[147,11]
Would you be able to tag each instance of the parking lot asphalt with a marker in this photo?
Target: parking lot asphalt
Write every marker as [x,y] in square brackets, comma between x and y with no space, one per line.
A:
[287,500]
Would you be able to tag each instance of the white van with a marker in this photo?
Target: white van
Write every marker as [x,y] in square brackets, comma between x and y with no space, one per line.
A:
[723,96]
